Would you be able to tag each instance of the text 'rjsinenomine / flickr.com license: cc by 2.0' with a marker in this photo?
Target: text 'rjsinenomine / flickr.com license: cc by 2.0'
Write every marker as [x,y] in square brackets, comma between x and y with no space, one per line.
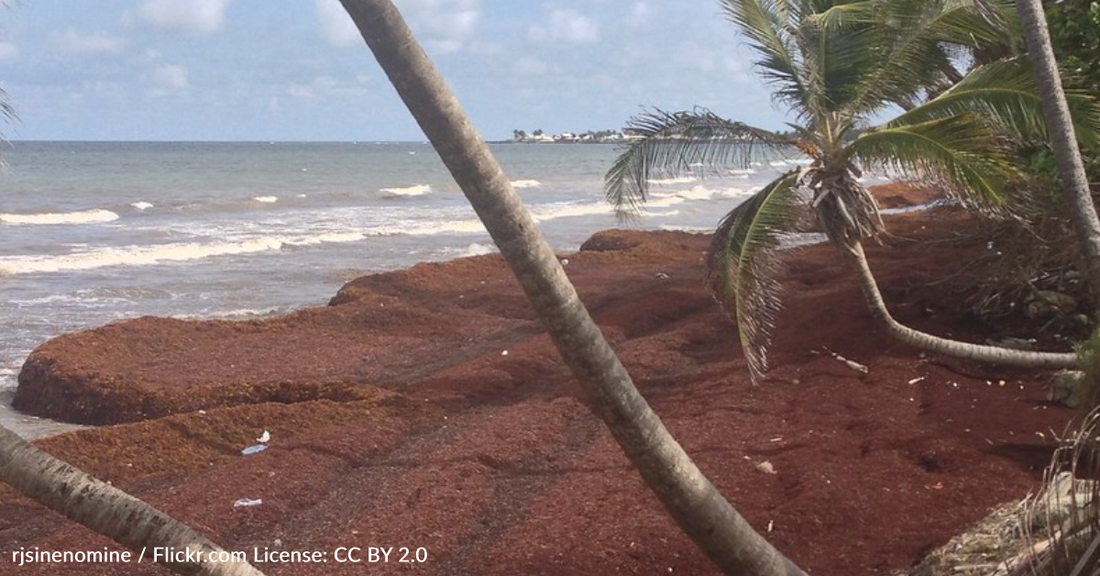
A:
[265,555]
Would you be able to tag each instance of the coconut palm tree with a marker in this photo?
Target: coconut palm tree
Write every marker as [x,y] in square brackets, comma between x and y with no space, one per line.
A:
[1063,140]
[110,511]
[690,498]
[839,66]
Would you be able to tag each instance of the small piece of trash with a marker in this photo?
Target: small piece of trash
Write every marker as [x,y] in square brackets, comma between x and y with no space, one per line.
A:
[766,467]
[564,261]
[853,365]
[662,276]
[254,449]
[248,502]
[504,353]
[264,438]
[915,380]
[771,524]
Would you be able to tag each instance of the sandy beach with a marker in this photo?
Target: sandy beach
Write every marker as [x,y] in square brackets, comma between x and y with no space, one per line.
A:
[425,409]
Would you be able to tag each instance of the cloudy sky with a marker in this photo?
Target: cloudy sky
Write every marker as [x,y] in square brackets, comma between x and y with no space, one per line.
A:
[297,69]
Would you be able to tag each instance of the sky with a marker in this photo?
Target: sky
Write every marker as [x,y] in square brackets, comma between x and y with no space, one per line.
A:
[297,70]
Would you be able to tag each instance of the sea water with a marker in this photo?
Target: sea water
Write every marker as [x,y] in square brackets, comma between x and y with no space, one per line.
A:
[93,233]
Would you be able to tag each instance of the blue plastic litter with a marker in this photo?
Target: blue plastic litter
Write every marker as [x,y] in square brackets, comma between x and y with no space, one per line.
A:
[254,449]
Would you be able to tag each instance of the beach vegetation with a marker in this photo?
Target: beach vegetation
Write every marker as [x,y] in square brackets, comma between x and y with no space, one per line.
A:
[1063,142]
[957,96]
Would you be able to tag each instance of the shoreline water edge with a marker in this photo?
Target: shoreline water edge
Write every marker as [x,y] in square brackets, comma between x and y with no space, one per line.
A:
[94,233]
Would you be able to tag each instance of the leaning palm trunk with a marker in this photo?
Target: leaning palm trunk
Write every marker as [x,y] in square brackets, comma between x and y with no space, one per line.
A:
[110,511]
[722,533]
[992,354]
[1063,141]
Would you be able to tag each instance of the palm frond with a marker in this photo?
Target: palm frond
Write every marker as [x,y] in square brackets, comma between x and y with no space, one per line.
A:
[6,109]
[670,143]
[742,261]
[768,27]
[961,154]
[919,40]
[983,26]
[1006,93]
[7,113]
[844,17]
[1061,524]
[841,46]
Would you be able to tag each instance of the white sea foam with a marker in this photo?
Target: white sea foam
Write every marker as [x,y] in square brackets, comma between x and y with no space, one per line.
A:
[519,184]
[675,228]
[240,314]
[132,256]
[414,190]
[431,228]
[569,210]
[671,181]
[266,199]
[83,217]
[141,205]
[696,193]
[328,238]
[475,249]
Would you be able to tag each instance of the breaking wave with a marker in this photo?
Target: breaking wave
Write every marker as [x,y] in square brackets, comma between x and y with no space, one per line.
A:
[46,218]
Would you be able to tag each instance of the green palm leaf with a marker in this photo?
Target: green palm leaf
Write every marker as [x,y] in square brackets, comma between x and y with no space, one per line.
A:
[961,154]
[1005,93]
[767,24]
[672,143]
[917,42]
[742,261]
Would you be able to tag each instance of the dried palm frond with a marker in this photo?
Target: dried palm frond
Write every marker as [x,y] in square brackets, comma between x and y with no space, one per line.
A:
[1062,523]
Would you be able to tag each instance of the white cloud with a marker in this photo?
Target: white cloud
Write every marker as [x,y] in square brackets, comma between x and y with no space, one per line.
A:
[444,26]
[8,50]
[567,26]
[326,86]
[335,24]
[73,42]
[641,14]
[171,77]
[528,66]
[192,16]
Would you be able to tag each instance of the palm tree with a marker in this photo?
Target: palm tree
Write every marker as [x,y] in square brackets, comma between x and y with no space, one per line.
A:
[690,498]
[1063,140]
[110,511]
[838,66]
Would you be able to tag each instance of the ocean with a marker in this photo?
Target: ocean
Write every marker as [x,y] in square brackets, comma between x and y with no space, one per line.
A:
[97,232]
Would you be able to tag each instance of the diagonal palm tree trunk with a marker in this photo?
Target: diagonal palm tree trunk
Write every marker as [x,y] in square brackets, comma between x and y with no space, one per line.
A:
[923,340]
[1063,141]
[109,511]
[722,533]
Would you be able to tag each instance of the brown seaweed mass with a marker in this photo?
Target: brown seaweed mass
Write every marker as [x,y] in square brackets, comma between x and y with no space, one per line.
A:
[399,421]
